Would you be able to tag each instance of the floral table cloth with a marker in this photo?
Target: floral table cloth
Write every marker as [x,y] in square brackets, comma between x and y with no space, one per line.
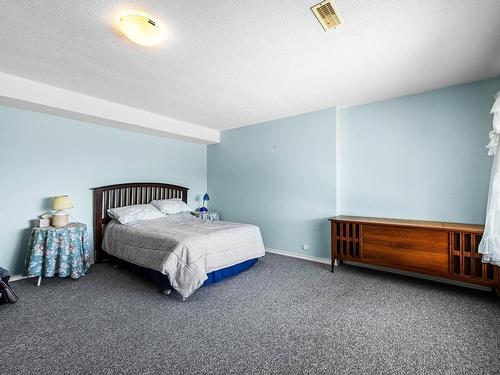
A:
[64,251]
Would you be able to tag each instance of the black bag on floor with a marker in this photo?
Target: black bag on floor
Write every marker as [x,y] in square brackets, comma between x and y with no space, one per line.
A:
[7,295]
[4,275]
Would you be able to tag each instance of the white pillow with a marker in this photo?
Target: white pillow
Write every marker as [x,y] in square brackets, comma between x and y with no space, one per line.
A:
[171,206]
[136,212]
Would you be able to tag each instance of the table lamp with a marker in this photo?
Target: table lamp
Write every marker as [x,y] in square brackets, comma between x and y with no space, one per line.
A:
[206,198]
[60,203]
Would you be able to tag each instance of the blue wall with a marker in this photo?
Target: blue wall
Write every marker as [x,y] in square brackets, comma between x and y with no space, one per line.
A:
[421,156]
[281,176]
[42,156]
[418,157]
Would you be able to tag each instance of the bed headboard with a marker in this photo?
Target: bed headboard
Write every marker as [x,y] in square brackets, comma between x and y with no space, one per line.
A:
[120,195]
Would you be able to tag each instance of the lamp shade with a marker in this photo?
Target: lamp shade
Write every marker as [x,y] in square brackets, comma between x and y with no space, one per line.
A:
[62,202]
[206,197]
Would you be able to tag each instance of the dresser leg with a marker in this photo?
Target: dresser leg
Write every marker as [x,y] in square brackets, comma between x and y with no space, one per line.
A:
[335,262]
[39,281]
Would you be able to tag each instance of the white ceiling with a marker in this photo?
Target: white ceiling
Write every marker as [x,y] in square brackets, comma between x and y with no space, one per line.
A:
[232,63]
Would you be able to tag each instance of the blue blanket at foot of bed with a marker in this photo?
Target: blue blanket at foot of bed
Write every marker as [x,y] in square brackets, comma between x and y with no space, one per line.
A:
[216,276]
[213,277]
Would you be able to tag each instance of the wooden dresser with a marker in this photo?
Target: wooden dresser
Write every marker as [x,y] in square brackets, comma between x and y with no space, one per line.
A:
[447,250]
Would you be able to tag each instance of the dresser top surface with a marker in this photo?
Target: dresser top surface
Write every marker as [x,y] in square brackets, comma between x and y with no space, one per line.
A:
[411,223]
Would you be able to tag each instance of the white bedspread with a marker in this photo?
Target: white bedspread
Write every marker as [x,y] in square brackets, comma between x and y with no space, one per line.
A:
[183,247]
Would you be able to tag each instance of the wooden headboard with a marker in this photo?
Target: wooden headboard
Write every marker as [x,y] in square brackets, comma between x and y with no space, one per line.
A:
[120,195]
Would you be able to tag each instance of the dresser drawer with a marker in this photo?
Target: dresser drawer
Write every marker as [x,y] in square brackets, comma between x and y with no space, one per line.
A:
[414,249]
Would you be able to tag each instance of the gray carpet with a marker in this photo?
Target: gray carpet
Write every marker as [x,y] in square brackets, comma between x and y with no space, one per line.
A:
[282,316]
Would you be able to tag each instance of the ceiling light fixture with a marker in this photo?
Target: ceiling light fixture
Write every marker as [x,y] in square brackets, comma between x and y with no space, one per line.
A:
[141,29]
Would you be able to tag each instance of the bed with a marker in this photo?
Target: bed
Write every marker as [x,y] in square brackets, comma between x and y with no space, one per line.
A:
[185,252]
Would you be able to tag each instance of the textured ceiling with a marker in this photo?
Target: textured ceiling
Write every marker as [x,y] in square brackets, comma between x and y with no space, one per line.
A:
[232,63]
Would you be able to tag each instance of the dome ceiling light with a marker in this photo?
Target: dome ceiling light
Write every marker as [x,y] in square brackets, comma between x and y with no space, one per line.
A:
[141,29]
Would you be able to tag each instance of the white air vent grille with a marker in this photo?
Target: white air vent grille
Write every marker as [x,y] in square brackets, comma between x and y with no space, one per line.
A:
[327,15]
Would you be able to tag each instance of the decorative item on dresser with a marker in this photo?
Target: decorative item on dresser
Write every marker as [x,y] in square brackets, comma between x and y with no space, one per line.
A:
[120,195]
[206,198]
[43,221]
[446,250]
[207,215]
[61,203]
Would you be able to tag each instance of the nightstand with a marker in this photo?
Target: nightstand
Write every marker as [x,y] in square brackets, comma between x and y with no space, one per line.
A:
[207,215]
[52,250]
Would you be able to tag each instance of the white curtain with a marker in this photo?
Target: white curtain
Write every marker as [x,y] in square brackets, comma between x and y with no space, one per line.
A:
[490,243]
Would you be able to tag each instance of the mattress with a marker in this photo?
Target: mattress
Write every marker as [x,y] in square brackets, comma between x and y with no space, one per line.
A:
[183,247]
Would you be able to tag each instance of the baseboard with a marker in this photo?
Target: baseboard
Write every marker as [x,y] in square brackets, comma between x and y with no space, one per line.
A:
[22,277]
[380,268]
[298,256]
[19,277]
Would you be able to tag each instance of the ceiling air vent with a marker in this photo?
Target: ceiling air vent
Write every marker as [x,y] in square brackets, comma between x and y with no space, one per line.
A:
[327,15]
